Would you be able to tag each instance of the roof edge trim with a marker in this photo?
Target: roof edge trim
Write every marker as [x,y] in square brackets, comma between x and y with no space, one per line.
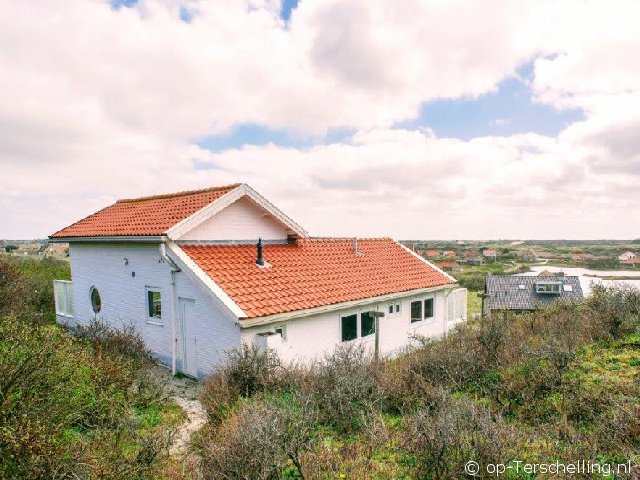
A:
[212,286]
[435,267]
[279,317]
[112,238]
[205,213]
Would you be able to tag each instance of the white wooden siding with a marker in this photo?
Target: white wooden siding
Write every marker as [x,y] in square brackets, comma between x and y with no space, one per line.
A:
[242,220]
[124,300]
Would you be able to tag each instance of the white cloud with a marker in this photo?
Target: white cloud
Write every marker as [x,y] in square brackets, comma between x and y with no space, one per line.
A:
[98,103]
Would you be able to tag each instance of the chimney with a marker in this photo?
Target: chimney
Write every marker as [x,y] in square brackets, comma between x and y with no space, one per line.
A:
[260,259]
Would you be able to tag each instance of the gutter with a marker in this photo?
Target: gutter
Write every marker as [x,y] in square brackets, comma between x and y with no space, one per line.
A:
[279,317]
[174,306]
[115,239]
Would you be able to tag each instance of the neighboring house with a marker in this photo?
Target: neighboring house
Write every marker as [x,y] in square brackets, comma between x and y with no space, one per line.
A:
[447,265]
[473,257]
[490,253]
[520,293]
[578,256]
[626,256]
[432,254]
[189,272]
[449,254]
[631,261]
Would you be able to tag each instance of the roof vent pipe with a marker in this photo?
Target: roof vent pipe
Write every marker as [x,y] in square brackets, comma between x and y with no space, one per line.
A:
[356,252]
[260,259]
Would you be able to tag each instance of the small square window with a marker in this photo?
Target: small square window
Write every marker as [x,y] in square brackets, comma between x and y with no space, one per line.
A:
[568,288]
[428,308]
[390,309]
[282,331]
[154,304]
[416,311]
[367,324]
[349,327]
[397,308]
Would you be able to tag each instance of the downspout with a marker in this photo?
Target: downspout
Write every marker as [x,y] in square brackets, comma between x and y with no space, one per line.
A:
[174,306]
[446,310]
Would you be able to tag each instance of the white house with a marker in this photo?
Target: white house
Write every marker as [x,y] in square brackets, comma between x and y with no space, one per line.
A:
[187,270]
[626,256]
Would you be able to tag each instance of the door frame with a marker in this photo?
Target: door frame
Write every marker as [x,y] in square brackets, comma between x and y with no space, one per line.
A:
[185,368]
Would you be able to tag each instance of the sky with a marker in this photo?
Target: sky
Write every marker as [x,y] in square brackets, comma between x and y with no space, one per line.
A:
[421,119]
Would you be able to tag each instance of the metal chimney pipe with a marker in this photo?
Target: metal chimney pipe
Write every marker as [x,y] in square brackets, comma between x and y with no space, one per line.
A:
[260,259]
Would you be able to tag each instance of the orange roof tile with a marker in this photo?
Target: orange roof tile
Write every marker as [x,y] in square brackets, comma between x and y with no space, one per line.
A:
[312,272]
[144,216]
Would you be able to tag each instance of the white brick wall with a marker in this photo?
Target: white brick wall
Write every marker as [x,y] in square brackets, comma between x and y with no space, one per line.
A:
[124,302]
[124,299]
[315,336]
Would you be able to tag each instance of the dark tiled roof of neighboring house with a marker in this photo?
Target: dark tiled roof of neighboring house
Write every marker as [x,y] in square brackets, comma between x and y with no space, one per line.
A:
[518,292]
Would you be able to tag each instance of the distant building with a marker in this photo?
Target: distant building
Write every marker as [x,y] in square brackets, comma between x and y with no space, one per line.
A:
[449,254]
[447,265]
[473,257]
[626,256]
[578,256]
[490,253]
[433,254]
[631,261]
[519,294]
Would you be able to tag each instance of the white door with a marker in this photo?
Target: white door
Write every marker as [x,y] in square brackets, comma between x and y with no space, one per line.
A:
[189,340]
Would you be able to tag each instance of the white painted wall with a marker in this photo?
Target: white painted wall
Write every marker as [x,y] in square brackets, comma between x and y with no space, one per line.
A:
[124,302]
[124,299]
[317,335]
[242,220]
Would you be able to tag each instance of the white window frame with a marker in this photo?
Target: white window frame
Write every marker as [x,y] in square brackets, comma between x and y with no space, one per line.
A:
[433,310]
[283,332]
[153,320]
[395,307]
[424,320]
[63,290]
[358,313]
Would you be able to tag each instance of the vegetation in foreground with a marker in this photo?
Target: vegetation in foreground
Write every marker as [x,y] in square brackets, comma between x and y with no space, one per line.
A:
[558,384]
[80,406]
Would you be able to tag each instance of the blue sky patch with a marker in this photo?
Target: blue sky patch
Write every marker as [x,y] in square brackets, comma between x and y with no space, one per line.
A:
[509,110]
[258,135]
[286,8]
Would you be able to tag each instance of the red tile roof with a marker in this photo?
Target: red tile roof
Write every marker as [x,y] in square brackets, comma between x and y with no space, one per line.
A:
[145,216]
[631,260]
[312,272]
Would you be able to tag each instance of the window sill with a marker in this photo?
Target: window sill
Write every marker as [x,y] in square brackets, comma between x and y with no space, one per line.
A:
[153,322]
[421,323]
[66,315]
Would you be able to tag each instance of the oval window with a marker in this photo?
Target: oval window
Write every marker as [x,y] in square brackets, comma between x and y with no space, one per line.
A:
[96,303]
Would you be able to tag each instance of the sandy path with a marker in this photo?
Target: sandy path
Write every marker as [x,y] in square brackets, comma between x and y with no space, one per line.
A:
[183,391]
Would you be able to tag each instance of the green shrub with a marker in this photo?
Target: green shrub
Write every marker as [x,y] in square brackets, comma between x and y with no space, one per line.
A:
[68,409]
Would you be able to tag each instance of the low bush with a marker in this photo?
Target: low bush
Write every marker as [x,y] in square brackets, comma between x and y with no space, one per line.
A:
[560,382]
[262,439]
[345,386]
[68,409]
[445,435]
